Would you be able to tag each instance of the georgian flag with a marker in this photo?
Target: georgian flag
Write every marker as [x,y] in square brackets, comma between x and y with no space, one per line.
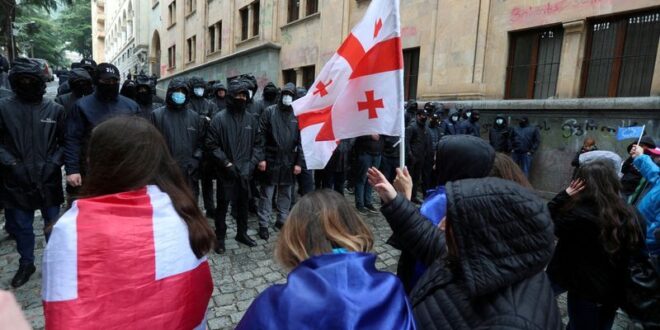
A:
[124,261]
[359,91]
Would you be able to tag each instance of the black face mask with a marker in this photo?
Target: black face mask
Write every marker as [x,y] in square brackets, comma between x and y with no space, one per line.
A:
[474,119]
[81,88]
[422,120]
[143,98]
[239,105]
[107,92]
[30,92]
[270,96]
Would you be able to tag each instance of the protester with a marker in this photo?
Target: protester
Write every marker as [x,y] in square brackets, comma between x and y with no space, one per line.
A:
[416,150]
[470,126]
[129,89]
[449,126]
[31,160]
[184,131]
[500,134]
[597,232]
[270,95]
[433,136]
[333,283]
[196,100]
[219,93]
[411,108]
[133,242]
[524,142]
[485,266]
[88,112]
[631,177]
[334,174]
[462,157]
[649,205]
[282,159]
[81,85]
[144,96]
[232,139]
[505,168]
[369,150]
[588,145]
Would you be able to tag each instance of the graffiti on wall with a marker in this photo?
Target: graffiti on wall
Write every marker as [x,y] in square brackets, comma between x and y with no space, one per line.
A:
[533,14]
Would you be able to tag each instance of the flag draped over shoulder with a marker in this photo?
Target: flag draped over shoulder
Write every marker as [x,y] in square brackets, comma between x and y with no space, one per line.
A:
[360,89]
[124,261]
[333,291]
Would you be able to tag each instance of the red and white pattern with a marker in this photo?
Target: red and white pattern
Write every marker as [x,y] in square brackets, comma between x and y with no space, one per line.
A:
[360,90]
[124,261]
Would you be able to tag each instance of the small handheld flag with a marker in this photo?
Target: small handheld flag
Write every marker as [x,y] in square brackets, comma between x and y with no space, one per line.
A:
[634,132]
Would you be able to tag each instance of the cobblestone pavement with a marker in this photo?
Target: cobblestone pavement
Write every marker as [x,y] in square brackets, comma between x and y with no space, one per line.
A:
[239,275]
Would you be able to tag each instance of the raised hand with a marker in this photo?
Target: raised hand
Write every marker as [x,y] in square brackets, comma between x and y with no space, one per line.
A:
[403,182]
[383,188]
[575,187]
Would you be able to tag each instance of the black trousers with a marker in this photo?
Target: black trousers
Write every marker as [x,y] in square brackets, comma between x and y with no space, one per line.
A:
[239,197]
[415,170]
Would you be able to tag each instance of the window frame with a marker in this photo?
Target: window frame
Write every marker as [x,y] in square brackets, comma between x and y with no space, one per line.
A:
[407,78]
[171,57]
[256,14]
[191,49]
[244,15]
[171,8]
[315,6]
[290,17]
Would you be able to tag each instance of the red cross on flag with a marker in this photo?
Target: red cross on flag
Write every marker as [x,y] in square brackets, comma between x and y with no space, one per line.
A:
[359,91]
[124,261]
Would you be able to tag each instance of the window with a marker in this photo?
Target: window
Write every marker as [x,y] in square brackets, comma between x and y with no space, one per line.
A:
[171,57]
[309,74]
[289,76]
[312,7]
[410,72]
[255,18]
[244,22]
[215,37]
[293,11]
[534,63]
[191,5]
[172,12]
[620,55]
[191,44]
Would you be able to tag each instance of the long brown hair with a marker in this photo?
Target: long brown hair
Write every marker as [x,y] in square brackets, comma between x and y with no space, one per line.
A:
[620,226]
[505,168]
[128,153]
[320,221]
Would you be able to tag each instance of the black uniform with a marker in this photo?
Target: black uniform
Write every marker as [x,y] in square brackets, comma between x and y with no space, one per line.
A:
[449,126]
[270,95]
[232,138]
[416,149]
[433,136]
[219,102]
[500,135]
[145,99]
[81,85]
[184,132]
[470,126]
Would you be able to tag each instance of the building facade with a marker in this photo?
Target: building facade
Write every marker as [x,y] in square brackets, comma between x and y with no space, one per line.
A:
[98,30]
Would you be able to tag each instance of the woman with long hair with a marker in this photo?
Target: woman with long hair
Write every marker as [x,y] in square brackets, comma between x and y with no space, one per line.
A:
[505,168]
[130,253]
[333,282]
[597,232]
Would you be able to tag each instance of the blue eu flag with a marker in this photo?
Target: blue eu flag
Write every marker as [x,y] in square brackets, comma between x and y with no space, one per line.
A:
[633,132]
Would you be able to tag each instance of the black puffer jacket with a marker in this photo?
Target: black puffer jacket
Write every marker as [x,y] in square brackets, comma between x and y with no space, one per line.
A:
[31,153]
[69,99]
[416,142]
[184,132]
[450,127]
[280,142]
[503,238]
[199,104]
[219,103]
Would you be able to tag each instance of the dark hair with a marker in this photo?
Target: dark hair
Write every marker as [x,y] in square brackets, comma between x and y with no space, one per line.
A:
[128,153]
[505,168]
[320,221]
[620,227]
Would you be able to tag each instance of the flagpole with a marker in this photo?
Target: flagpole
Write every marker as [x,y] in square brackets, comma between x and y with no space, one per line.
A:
[402,141]
[641,135]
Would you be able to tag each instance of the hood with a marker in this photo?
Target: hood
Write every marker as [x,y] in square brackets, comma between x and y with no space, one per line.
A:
[143,80]
[452,111]
[218,86]
[500,116]
[608,157]
[503,233]
[270,88]
[175,84]
[196,82]
[290,88]
[129,89]
[300,92]
[25,66]
[79,74]
[466,157]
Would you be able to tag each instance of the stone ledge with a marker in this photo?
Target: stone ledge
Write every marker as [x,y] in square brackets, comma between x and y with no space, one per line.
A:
[619,103]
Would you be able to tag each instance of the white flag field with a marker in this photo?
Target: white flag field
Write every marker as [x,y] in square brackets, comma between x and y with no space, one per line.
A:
[359,91]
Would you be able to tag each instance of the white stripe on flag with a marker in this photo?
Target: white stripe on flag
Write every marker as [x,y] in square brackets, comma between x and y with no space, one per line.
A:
[61,259]
[172,246]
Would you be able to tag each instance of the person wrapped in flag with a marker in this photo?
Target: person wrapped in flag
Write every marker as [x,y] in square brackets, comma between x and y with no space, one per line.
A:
[130,253]
[334,283]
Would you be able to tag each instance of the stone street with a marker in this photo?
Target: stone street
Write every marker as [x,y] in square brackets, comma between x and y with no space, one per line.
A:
[239,275]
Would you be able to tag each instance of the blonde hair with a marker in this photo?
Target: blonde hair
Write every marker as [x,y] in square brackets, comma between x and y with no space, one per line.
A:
[320,221]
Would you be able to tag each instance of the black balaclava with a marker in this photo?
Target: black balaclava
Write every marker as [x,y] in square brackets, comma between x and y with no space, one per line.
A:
[435,120]
[236,86]
[270,92]
[422,116]
[80,82]
[129,89]
[475,116]
[523,122]
[27,80]
[107,91]
[144,98]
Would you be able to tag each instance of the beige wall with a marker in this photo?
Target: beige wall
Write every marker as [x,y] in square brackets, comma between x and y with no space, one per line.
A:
[98,30]
[463,43]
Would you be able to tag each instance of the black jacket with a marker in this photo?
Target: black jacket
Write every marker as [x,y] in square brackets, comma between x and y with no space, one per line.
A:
[433,136]
[85,114]
[5,92]
[340,160]
[448,126]
[67,101]
[184,132]
[469,127]
[525,139]
[416,142]
[631,177]
[233,137]
[280,142]
[202,106]
[366,144]
[31,153]
[497,279]
[220,104]
[500,136]
[391,146]
[580,263]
